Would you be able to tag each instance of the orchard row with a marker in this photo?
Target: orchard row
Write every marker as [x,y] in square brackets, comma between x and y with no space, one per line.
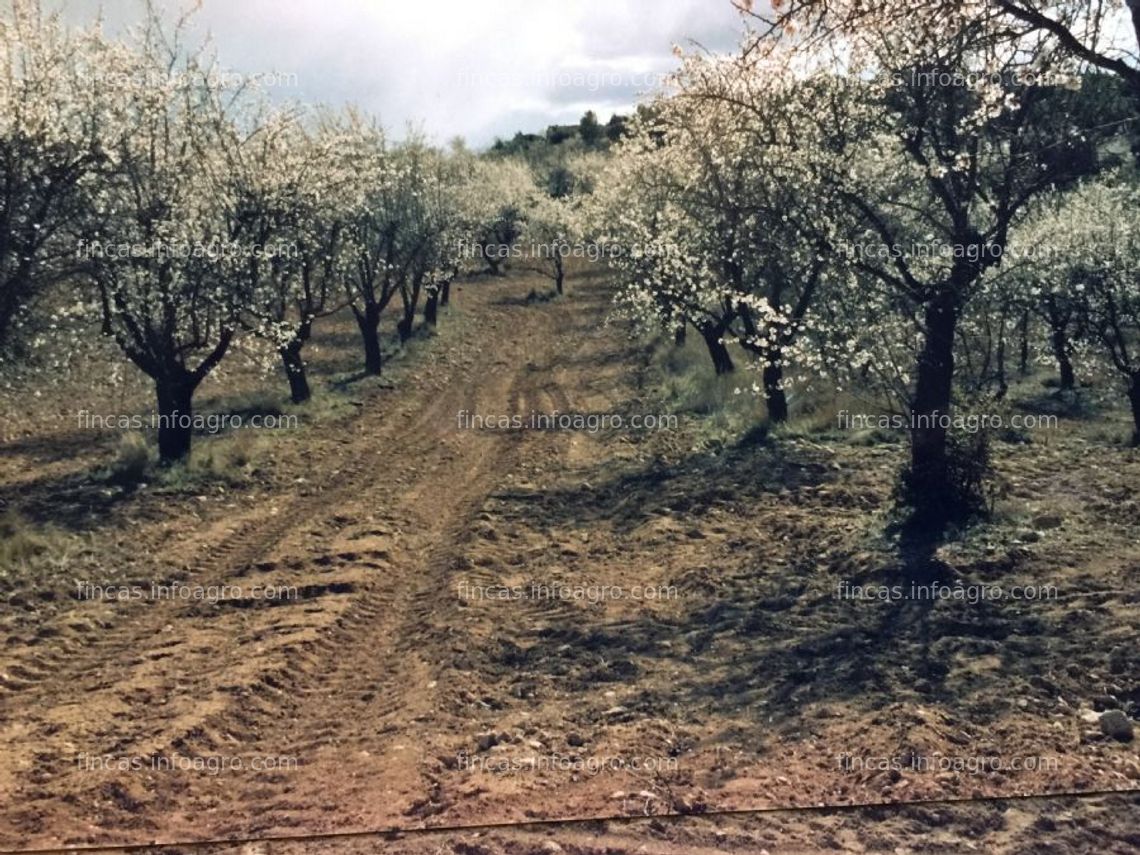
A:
[150,198]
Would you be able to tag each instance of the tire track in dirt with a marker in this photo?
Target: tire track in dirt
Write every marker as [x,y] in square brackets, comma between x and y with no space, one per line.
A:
[372,658]
[386,688]
[229,547]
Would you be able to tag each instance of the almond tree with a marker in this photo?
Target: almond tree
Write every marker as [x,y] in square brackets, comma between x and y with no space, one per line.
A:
[376,231]
[455,199]
[1085,249]
[427,217]
[1096,35]
[556,219]
[757,161]
[1102,34]
[51,139]
[734,153]
[1043,292]
[161,242]
[936,165]
[551,231]
[506,183]
[288,184]
[669,275]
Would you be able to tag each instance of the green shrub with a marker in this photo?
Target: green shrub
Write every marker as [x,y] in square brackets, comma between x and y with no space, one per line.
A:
[968,492]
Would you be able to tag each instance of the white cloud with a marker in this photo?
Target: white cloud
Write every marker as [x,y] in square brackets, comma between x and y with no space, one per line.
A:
[478,69]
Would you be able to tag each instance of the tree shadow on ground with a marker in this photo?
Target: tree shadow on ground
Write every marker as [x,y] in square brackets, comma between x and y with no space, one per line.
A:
[52,447]
[753,643]
[76,502]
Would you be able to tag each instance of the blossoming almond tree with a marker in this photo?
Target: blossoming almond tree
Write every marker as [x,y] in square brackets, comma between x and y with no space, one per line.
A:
[936,164]
[428,216]
[550,232]
[288,183]
[51,137]
[506,184]
[1102,34]
[1085,249]
[376,230]
[733,151]
[1011,296]
[455,200]
[159,241]
[1096,35]
[669,276]
[1033,280]
[399,228]
[758,157]
[555,215]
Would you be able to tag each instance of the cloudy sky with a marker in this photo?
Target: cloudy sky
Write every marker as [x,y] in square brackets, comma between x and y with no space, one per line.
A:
[479,69]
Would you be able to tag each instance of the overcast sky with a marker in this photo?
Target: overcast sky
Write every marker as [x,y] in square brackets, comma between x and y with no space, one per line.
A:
[477,69]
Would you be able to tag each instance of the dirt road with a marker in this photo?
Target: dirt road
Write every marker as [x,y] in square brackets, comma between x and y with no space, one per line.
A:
[344,679]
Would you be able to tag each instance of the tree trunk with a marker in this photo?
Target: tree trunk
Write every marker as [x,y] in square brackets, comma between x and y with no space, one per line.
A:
[299,390]
[679,333]
[404,328]
[1061,354]
[559,275]
[774,396]
[410,298]
[1002,380]
[369,323]
[929,474]
[1134,400]
[1023,355]
[722,360]
[445,294]
[431,307]
[175,417]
